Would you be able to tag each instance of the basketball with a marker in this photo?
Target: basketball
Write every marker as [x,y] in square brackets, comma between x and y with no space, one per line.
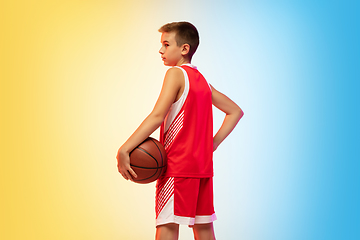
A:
[148,160]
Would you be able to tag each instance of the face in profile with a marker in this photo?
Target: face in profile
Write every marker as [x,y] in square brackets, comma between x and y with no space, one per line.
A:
[171,54]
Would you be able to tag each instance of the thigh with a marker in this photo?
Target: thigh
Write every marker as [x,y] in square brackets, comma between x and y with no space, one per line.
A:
[205,206]
[186,196]
[185,201]
[176,200]
[205,201]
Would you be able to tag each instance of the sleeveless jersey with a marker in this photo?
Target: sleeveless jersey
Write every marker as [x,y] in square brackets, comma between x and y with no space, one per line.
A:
[187,131]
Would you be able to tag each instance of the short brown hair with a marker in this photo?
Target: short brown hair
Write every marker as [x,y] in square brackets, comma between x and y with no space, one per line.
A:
[185,32]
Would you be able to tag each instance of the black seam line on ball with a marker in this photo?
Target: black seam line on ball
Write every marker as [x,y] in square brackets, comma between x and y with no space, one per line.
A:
[162,160]
[149,155]
[147,167]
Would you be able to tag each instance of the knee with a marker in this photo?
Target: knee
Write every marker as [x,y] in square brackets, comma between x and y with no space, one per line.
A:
[167,232]
[204,231]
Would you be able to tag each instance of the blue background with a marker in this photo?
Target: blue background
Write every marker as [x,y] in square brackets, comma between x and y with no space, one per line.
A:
[290,170]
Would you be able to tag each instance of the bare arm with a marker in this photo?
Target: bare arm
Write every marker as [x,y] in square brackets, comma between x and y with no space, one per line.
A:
[233,115]
[171,86]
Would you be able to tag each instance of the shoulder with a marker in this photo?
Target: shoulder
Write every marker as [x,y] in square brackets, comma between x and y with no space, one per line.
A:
[174,74]
[174,71]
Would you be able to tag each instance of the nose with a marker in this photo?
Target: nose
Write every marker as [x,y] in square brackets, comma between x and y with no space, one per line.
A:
[161,51]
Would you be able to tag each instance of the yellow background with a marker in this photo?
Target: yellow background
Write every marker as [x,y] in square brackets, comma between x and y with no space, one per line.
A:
[77,77]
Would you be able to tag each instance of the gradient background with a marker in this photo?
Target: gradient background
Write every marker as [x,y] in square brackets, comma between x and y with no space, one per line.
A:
[78,77]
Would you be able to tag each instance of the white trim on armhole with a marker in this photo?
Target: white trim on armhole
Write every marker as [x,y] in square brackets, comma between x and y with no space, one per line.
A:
[176,106]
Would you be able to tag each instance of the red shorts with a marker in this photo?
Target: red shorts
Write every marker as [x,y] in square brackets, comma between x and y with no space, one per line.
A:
[186,201]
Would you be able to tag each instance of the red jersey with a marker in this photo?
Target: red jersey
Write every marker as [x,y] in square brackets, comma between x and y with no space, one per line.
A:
[187,132]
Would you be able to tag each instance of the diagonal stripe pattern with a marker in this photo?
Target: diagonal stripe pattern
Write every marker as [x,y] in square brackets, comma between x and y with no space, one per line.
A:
[174,129]
[164,192]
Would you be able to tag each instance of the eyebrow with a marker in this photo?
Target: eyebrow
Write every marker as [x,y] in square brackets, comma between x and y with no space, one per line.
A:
[165,41]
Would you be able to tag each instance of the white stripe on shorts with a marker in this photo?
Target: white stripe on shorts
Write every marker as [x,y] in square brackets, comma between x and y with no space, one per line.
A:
[167,215]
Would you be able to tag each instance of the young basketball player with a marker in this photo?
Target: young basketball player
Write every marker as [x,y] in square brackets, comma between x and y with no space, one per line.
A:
[184,195]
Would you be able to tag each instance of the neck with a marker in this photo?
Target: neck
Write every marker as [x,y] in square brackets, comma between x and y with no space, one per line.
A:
[183,61]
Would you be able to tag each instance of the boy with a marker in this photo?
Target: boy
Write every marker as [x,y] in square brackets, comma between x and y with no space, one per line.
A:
[184,195]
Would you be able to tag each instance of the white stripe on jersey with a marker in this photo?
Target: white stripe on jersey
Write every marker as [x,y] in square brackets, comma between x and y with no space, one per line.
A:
[176,106]
[174,129]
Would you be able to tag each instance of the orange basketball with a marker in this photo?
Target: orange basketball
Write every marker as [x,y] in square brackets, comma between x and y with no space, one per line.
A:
[148,160]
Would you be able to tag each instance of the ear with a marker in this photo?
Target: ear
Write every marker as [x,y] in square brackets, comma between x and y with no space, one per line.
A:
[185,48]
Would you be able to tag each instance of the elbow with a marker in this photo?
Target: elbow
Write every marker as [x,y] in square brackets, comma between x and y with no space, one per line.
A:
[236,113]
[240,113]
